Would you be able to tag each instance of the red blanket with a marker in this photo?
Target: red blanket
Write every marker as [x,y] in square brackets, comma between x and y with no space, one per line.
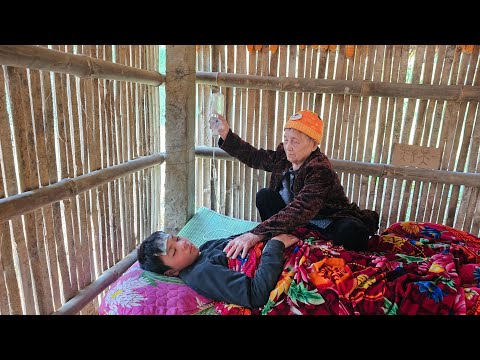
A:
[411,268]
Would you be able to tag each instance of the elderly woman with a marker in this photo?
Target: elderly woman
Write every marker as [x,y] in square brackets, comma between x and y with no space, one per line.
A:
[304,189]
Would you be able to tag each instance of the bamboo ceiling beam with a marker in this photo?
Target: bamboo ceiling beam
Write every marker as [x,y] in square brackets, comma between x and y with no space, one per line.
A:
[41,58]
[84,296]
[346,87]
[374,169]
[27,201]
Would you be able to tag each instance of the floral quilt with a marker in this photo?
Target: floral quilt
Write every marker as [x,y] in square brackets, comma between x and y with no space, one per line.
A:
[410,269]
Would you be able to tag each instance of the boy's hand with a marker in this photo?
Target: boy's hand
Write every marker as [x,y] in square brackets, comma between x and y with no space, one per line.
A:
[242,243]
[287,239]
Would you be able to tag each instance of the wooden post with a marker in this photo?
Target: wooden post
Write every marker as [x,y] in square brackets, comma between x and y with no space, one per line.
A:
[179,137]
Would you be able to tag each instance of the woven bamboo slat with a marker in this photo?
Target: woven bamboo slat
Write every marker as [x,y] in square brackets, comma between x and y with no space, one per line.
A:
[352,119]
[346,127]
[422,125]
[82,256]
[441,77]
[110,130]
[104,189]
[242,126]
[37,149]
[369,183]
[384,130]
[392,186]
[248,210]
[17,87]
[230,95]
[469,60]
[362,122]
[281,96]
[455,115]
[407,129]
[328,127]
[6,167]
[207,164]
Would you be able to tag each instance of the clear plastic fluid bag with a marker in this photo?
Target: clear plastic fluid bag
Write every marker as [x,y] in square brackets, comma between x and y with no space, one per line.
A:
[217,107]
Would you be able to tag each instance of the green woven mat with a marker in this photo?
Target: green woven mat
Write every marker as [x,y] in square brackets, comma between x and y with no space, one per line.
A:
[207,225]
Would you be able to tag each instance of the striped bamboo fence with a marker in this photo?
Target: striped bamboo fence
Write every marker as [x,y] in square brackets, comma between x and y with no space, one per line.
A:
[370,98]
[76,170]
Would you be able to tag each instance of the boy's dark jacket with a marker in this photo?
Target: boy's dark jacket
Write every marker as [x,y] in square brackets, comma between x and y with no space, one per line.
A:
[317,189]
[211,277]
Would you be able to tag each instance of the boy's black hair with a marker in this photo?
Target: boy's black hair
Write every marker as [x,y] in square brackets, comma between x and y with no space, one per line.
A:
[148,253]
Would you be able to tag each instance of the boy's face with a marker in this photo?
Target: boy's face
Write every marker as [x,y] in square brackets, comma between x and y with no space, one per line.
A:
[180,254]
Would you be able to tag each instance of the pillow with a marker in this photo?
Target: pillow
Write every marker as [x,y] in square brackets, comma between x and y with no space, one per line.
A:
[140,292]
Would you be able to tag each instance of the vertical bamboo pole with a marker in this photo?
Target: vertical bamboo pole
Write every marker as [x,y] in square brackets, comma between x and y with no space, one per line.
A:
[113,160]
[90,116]
[427,136]
[384,130]
[398,115]
[328,127]
[260,128]
[215,171]
[345,117]
[104,120]
[339,101]
[198,131]
[422,124]
[70,208]
[371,120]
[51,149]
[307,75]
[180,104]
[231,94]
[23,131]
[469,60]
[44,219]
[127,186]
[408,128]
[320,74]
[282,96]
[454,114]
[248,131]
[7,184]
[104,156]
[472,193]
[82,256]
[374,133]
[354,117]
[133,150]
[143,215]
[362,123]
[240,107]
[270,116]
[207,164]
[437,127]
[65,172]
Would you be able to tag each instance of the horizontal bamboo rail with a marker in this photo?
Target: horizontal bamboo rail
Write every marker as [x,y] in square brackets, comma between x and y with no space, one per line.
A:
[41,58]
[378,170]
[84,296]
[346,87]
[27,201]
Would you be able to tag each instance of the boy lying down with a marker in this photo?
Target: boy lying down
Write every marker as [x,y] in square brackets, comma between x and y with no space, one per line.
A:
[206,271]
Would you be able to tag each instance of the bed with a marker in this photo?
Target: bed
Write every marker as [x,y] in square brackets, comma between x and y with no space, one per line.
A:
[411,268]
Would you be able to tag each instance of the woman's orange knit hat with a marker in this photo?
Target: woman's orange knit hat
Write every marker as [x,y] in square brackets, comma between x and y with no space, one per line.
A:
[308,123]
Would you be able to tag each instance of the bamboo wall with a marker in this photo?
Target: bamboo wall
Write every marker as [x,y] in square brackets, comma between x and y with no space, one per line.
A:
[55,126]
[359,128]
